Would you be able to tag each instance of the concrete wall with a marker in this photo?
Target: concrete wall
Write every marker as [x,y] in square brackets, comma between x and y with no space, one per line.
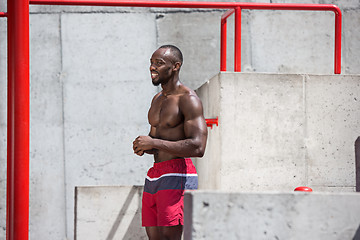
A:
[90,86]
[254,216]
[114,213]
[280,131]
[108,213]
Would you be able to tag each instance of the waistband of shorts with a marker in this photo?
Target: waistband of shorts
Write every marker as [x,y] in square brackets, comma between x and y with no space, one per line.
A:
[172,161]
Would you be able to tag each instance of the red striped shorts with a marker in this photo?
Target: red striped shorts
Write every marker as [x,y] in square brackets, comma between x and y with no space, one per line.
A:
[162,202]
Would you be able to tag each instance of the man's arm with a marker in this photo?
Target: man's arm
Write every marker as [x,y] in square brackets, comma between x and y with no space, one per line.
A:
[151,134]
[194,128]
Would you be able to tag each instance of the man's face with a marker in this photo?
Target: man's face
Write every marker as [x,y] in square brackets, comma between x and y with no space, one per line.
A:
[161,66]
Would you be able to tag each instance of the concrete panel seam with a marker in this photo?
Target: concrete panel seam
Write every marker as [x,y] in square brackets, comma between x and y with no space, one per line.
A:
[63,127]
[305,78]
[175,11]
[157,29]
[75,211]
[250,47]
[131,11]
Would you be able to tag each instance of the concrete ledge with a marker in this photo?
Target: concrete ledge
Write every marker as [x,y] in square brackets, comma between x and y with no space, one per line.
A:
[108,213]
[298,215]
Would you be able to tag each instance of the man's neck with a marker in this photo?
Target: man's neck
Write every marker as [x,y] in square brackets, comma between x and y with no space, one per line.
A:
[171,86]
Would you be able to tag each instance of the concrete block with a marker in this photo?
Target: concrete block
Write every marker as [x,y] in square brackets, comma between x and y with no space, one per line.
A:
[108,213]
[277,132]
[250,132]
[222,215]
[332,120]
[208,166]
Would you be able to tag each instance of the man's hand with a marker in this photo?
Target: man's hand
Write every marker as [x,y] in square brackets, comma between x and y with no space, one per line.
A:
[142,144]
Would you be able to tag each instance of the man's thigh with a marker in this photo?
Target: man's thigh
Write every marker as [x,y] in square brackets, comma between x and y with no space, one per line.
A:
[153,233]
[171,232]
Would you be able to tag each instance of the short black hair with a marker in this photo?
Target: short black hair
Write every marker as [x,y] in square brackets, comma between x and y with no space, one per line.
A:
[175,51]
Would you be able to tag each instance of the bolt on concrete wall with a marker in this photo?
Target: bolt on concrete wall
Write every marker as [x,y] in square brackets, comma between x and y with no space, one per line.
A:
[90,87]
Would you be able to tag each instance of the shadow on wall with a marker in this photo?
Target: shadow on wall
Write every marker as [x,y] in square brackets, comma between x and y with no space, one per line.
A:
[135,224]
[357,163]
[357,234]
[110,213]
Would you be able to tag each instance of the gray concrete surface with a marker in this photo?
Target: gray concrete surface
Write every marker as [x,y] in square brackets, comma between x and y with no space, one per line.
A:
[90,86]
[114,213]
[272,215]
[280,131]
[108,213]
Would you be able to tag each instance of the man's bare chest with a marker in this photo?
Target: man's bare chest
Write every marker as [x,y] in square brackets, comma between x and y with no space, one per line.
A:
[165,112]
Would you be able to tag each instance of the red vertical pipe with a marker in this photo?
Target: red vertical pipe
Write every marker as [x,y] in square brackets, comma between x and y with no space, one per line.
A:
[223,45]
[223,39]
[337,60]
[17,217]
[237,47]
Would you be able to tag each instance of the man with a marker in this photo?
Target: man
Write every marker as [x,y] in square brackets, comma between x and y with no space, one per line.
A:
[178,131]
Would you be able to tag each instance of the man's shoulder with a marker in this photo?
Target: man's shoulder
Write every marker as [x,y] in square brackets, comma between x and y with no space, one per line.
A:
[189,99]
[157,95]
[188,94]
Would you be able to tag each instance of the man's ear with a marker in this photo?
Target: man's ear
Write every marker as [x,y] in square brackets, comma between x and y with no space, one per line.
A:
[177,66]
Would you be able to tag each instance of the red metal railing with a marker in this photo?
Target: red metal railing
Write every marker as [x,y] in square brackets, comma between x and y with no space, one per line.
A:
[18,84]
[234,6]
[17,200]
[275,6]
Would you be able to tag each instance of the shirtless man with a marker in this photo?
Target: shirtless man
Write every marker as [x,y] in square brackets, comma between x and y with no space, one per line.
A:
[178,131]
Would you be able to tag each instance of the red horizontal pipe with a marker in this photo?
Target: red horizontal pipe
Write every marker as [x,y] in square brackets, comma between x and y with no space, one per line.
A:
[135,3]
[3,14]
[216,5]
[180,4]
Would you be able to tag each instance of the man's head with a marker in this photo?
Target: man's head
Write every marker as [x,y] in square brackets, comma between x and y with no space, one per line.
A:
[165,63]
[175,53]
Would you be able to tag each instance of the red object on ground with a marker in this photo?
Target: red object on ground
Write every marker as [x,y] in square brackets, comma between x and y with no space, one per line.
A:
[303,189]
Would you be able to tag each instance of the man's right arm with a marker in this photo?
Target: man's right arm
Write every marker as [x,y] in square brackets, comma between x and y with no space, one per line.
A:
[151,134]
